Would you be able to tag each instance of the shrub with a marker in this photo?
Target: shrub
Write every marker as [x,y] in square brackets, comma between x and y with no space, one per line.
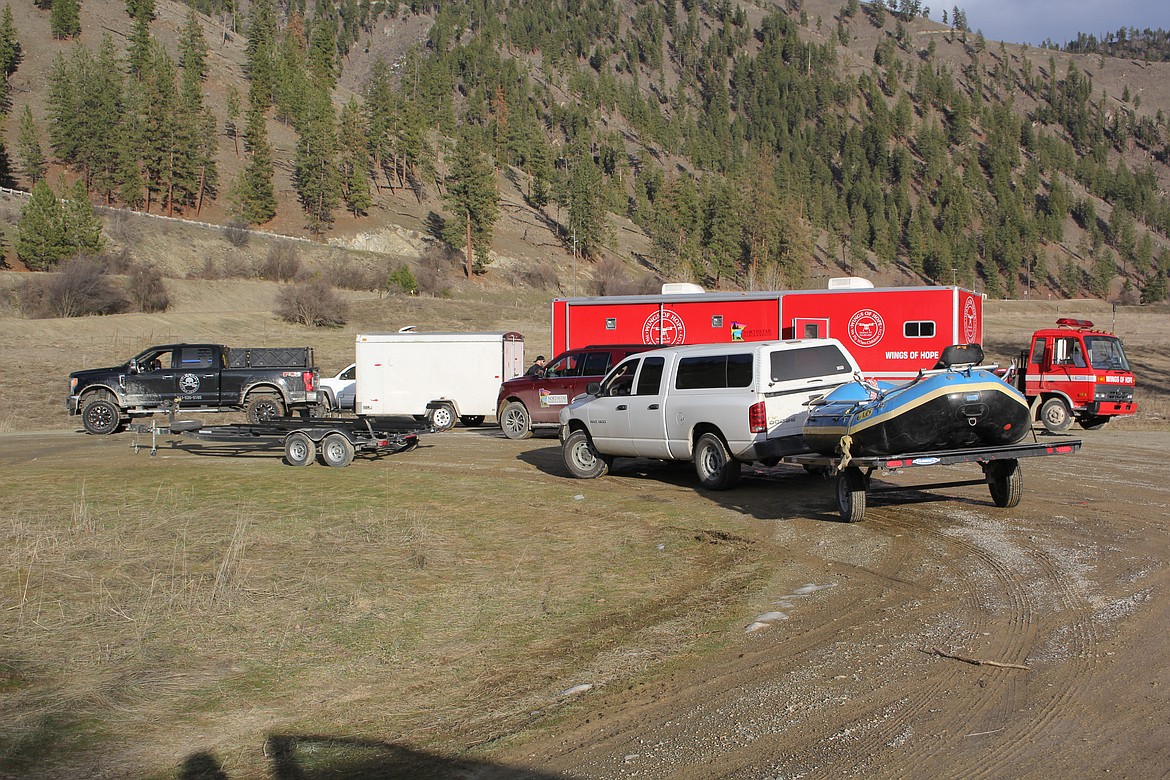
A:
[435,268]
[313,303]
[79,288]
[402,279]
[147,290]
[281,264]
[237,233]
[343,272]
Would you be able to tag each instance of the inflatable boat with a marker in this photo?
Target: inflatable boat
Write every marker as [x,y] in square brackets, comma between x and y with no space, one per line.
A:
[957,404]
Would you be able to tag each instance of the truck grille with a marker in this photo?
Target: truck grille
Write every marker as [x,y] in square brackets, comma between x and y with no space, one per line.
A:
[1113,393]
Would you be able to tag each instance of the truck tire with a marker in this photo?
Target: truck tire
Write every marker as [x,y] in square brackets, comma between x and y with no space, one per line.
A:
[442,417]
[716,468]
[336,451]
[1005,481]
[263,407]
[1056,415]
[516,422]
[1093,423]
[299,449]
[100,416]
[471,420]
[582,460]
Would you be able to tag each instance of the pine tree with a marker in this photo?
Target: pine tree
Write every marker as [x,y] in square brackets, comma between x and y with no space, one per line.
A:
[354,162]
[40,233]
[231,129]
[253,195]
[261,53]
[83,230]
[587,223]
[10,54]
[28,148]
[317,179]
[65,19]
[471,195]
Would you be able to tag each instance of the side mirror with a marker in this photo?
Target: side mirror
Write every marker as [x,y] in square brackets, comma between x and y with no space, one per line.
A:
[593,388]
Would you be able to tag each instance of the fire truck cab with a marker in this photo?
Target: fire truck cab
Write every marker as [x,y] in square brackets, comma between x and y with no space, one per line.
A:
[1073,372]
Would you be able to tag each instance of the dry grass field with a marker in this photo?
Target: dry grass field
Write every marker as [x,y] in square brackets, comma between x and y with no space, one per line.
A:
[188,614]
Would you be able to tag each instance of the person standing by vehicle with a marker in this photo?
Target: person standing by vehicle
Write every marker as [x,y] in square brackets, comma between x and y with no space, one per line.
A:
[537,367]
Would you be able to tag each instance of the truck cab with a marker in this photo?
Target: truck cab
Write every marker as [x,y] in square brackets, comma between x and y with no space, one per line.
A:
[1076,373]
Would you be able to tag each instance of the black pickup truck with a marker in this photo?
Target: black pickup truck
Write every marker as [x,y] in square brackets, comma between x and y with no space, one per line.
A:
[265,383]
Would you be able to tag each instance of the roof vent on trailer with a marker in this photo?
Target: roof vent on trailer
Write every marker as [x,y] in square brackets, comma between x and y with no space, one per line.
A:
[682,288]
[849,283]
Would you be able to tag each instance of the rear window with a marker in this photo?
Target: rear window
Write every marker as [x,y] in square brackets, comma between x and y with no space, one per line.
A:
[806,362]
[713,371]
[596,364]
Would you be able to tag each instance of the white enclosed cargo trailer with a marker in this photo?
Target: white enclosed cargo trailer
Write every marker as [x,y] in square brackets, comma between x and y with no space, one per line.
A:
[445,376]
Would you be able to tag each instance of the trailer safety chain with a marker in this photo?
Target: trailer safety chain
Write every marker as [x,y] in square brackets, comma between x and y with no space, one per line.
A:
[843,446]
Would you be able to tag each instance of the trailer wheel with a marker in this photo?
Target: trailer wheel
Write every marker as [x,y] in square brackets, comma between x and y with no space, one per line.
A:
[442,417]
[1005,480]
[100,416]
[851,494]
[582,460]
[516,422]
[263,407]
[336,450]
[299,449]
[716,468]
[1055,415]
[471,420]
[1093,423]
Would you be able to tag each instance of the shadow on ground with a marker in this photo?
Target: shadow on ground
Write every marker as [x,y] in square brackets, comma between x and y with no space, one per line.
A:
[309,757]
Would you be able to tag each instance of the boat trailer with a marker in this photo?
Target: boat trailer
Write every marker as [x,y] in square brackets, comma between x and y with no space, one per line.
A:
[1001,471]
[335,440]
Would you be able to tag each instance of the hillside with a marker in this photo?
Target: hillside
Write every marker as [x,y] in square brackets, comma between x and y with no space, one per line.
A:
[899,148]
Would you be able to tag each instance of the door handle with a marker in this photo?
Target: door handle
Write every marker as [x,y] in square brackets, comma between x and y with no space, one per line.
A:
[621,407]
[652,406]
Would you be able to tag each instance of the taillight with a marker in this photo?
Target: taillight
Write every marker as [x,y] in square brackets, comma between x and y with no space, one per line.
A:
[309,380]
[758,418]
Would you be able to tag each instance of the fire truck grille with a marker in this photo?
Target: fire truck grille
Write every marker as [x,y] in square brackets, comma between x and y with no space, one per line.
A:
[1113,393]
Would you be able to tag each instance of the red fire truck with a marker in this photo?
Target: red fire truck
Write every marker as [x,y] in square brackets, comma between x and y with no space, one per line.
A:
[1072,372]
[893,332]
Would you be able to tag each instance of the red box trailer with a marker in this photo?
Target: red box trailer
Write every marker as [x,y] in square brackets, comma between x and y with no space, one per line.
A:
[893,332]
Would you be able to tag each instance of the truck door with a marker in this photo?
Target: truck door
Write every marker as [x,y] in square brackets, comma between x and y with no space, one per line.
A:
[152,379]
[647,410]
[609,413]
[196,375]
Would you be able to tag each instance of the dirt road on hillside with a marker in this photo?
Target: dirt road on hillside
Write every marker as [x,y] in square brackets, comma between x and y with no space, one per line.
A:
[939,638]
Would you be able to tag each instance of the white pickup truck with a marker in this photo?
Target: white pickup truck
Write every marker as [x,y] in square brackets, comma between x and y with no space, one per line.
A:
[719,405]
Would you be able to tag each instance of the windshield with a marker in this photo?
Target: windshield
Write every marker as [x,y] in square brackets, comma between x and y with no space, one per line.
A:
[1106,353]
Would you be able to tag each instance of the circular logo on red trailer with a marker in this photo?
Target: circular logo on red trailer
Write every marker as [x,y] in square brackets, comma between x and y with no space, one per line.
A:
[970,322]
[665,328]
[866,328]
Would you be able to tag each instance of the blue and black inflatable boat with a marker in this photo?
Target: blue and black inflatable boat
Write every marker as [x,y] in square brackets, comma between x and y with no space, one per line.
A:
[959,403]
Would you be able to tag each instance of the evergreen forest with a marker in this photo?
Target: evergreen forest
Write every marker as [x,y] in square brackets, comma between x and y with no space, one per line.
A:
[755,145]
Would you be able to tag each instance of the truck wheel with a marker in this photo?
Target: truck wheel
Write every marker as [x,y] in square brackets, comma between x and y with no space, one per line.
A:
[582,460]
[516,422]
[442,417]
[263,407]
[851,495]
[299,449]
[471,420]
[716,468]
[336,451]
[1094,423]
[1055,415]
[1005,480]
[100,416]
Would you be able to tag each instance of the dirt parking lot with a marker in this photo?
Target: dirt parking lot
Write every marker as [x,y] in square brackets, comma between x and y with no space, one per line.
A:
[941,637]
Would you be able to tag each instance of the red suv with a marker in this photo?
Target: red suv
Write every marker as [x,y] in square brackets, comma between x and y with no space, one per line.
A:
[528,402]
